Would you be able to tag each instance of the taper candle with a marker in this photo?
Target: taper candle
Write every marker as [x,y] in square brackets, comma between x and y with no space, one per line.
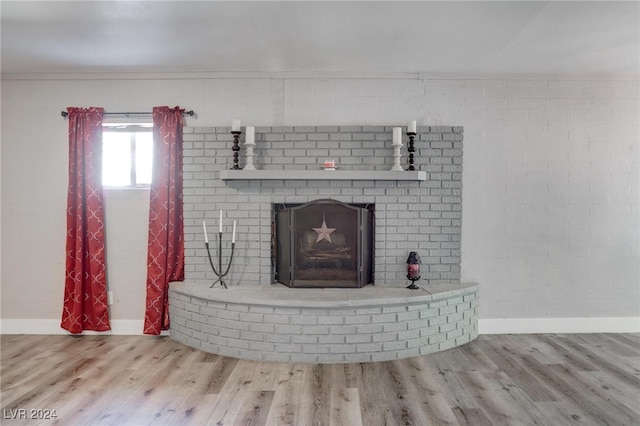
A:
[397,136]
[411,127]
[233,237]
[220,223]
[250,139]
[235,125]
[206,237]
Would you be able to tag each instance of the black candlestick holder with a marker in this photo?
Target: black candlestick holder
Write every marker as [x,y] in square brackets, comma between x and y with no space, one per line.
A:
[236,148]
[219,274]
[411,149]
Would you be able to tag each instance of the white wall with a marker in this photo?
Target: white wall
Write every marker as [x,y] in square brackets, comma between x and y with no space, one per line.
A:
[550,185]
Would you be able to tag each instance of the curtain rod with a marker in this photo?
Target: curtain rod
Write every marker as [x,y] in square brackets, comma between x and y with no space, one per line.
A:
[190,113]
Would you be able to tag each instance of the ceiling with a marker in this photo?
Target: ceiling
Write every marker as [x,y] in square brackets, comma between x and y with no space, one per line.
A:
[478,37]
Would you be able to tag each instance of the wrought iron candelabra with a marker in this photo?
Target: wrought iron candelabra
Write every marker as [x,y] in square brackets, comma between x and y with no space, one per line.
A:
[411,149]
[235,149]
[218,272]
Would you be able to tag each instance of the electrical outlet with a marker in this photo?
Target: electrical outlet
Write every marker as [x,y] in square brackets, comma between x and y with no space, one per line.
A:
[110,297]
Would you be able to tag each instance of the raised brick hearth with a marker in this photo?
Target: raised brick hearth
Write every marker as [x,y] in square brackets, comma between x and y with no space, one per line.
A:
[275,323]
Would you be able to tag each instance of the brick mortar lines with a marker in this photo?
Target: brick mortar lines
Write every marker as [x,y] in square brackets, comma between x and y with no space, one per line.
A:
[301,335]
[422,216]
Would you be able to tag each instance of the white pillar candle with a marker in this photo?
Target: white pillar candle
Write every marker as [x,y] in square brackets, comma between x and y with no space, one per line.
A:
[411,127]
[397,136]
[251,135]
[220,224]
[235,125]
[233,237]
[206,237]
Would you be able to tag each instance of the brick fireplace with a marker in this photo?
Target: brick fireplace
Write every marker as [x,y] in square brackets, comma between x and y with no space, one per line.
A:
[410,215]
[412,211]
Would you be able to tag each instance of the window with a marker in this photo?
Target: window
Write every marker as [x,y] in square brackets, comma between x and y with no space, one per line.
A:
[127,156]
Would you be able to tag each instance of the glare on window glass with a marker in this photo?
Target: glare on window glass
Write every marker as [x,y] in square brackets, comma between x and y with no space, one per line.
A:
[144,156]
[116,159]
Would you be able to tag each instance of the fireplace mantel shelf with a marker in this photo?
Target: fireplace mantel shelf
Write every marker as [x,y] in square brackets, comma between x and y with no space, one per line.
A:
[322,175]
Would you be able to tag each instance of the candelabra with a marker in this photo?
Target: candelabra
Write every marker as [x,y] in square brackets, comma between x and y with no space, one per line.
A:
[219,274]
[236,148]
[411,149]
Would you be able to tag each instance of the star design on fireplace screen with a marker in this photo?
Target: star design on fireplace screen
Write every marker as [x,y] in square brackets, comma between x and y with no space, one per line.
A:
[324,233]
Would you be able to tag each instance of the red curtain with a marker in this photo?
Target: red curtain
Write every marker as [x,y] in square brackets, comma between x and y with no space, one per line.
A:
[85,293]
[165,256]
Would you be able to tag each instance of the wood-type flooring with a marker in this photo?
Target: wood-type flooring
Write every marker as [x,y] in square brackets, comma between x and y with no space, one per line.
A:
[548,379]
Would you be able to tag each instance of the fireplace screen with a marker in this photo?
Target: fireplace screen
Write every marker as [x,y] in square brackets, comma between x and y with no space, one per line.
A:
[324,243]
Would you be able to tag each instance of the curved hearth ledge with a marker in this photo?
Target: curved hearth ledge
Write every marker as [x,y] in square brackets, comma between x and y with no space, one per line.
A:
[276,323]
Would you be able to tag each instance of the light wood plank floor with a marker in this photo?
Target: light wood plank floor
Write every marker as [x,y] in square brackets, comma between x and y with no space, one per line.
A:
[581,379]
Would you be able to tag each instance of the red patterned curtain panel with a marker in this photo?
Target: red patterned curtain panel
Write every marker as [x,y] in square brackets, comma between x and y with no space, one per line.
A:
[85,292]
[165,256]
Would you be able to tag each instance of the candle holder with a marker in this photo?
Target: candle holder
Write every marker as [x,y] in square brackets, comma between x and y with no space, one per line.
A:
[411,149]
[413,270]
[219,274]
[236,148]
[396,157]
[249,146]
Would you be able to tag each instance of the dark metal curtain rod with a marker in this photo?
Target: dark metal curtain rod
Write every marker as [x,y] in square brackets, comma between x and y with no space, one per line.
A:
[190,113]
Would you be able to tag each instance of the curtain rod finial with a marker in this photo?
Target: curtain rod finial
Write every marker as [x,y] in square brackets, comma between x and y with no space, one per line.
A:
[65,114]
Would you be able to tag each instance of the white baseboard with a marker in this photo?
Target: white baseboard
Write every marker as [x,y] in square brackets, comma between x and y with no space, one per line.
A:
[558,325]
[49,326]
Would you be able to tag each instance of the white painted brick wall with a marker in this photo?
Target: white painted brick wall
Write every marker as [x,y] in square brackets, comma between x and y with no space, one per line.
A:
[409,216]
[551,199]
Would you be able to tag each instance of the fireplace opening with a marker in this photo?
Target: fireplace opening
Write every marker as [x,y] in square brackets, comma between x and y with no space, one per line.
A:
[323,243]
